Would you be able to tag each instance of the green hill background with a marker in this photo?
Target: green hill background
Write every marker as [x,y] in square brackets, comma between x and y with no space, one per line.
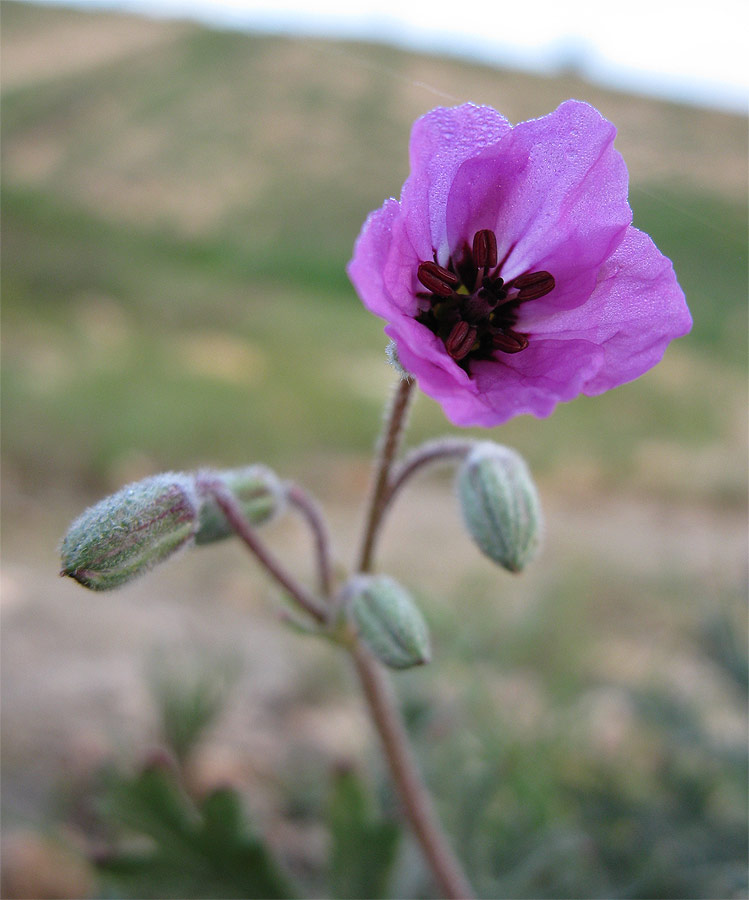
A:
[179,205]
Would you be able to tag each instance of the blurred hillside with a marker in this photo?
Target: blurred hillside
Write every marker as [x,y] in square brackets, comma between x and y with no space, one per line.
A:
[178,206]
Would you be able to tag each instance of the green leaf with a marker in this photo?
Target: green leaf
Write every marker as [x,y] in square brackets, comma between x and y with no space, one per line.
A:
[200,852]
[190,692]
[363,847]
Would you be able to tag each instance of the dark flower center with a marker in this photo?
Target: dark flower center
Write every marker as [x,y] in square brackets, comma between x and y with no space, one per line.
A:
[471,308]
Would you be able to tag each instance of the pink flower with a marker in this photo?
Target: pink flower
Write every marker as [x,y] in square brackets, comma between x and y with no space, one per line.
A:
[509,273]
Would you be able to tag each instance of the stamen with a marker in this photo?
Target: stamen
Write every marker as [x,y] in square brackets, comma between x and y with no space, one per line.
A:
[533,285]
[436,279]
[470,307]
[485,249]
[461,340]
[509,341]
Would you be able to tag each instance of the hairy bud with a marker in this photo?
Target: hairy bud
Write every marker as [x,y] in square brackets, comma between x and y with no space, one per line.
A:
[258,490]
[131,531]
[500,505]
[388,621]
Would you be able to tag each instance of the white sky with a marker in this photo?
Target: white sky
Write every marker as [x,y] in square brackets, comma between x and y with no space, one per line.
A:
[687,50]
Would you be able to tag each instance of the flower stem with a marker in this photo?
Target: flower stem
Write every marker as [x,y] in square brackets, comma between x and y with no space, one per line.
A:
[309,509]
[378,690]
[413,794]
[440,450]
[388,447]
[236,518]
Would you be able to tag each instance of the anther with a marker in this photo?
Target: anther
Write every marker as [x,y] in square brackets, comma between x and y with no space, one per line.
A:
[533,285]
[509,341]
[437,279]
[461,340]
[485,249]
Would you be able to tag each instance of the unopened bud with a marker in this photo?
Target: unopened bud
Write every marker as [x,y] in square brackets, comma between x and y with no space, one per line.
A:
[257,489]
[389,622]
[500,505]
[131,531]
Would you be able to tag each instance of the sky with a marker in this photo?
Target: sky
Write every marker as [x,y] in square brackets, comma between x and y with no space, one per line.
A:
[695,51]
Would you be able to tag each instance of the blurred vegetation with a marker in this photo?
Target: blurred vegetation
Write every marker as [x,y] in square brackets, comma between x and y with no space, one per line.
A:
[571,808]
[179,205]
[176,226]
[161,834]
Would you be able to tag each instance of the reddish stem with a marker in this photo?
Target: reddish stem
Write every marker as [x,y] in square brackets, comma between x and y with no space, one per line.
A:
[413,794]
[302,501]
[378,691]
[236,518]
[394,423]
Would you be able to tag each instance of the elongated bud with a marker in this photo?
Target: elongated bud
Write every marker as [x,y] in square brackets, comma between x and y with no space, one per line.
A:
[389,621]
[500,505]
[131,531]
[258,490]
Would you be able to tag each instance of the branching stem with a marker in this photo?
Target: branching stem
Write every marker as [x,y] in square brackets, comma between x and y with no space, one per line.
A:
[377,688]
[441,450]
[413,794]
[394,423]
[309,509]
[236,518]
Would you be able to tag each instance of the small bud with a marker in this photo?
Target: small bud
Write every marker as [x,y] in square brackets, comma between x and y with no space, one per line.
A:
[258,490]
[389,621]
[500,505]
[131,531]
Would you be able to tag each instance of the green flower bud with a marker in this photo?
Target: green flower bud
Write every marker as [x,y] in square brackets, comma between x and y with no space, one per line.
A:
[128,533]
[500,505]
[259,492]
[388,621]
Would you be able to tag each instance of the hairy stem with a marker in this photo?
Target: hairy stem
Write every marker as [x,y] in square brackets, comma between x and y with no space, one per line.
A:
[388,447]
[441,450]
[413,794]
[236,518]
[309,509]
[378,691]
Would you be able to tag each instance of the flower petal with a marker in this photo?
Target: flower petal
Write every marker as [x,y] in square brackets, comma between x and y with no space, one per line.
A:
[383,268]
[423,355]
[554,191]
[440,142]
[531,382]
[636,309]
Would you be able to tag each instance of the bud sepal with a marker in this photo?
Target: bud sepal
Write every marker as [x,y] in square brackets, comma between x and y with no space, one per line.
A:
[500,505]
[388,621]
[257,489]
[131,531]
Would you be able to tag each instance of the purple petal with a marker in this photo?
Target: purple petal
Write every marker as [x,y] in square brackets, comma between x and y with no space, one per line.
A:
[423,354]
[440,142]
[554,191]
[636,309]
[383,268]
[531,382]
